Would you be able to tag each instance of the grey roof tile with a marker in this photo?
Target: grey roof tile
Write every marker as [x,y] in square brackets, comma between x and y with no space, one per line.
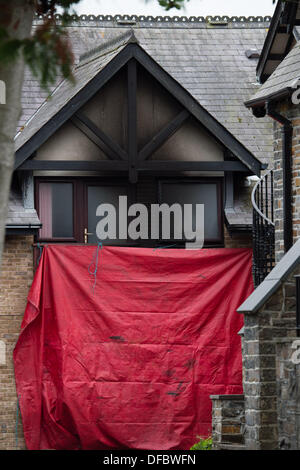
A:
[282,78]
[17,215]
[241,212]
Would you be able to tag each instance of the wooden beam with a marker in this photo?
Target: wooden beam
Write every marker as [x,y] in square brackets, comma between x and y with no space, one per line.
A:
[86,131]
[276,57]
[74,104]
[187,101]
[196,110]
[132,121]
[87,126]
[171,166]
[67,165]
[167,166]
[229,193]
[162,136]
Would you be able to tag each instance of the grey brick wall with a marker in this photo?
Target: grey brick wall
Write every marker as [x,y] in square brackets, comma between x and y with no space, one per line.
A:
[292,112]
[288,389]
[268,372]
[228,417]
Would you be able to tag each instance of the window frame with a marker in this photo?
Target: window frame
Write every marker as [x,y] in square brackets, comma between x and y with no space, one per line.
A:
[119,181]
[208,243]
[38,181]
[80,201]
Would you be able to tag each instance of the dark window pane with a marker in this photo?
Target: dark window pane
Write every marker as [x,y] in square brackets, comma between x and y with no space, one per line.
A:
[56,210]
[196,193]
[103,195]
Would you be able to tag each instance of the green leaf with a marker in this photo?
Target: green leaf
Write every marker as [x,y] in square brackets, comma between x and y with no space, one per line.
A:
[203,444]
[3,33]
[47,52]
[9,50]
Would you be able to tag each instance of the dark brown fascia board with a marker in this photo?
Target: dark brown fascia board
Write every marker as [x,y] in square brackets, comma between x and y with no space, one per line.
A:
[144,165]
[269,40]
[28,229]
[239,228]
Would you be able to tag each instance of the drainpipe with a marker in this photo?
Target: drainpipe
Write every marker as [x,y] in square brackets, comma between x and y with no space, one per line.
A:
[287,132]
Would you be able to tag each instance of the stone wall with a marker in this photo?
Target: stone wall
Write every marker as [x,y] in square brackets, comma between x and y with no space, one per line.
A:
[16,278]
[288,389]
[292,112]
[228,416]
[265,396]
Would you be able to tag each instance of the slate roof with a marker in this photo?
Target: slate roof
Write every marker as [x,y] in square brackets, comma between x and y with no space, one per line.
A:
[281,80]
[240,215]
[17,215]
[208,61]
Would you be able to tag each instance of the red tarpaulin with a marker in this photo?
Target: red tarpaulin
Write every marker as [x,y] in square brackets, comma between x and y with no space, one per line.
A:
[129,361]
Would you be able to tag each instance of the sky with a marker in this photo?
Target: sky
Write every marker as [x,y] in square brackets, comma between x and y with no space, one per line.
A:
[193,7]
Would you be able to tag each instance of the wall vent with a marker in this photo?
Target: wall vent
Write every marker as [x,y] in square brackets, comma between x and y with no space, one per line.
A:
[252,54]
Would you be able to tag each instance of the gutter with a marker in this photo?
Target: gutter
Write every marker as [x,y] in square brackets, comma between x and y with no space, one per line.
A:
[257,103]
[287,132]
[29,226]
[28,229]
[239,228]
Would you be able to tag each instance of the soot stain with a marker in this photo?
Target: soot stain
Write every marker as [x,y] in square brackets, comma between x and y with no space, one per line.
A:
[117,338]
[190,363]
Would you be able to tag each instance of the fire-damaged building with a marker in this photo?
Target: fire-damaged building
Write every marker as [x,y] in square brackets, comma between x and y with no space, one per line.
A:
[124,341]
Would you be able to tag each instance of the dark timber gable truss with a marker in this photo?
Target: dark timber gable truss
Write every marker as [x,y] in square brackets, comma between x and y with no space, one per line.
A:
[131,54]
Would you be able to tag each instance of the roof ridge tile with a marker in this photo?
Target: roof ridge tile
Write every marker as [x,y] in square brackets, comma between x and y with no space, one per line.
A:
[118,41]
[154,21]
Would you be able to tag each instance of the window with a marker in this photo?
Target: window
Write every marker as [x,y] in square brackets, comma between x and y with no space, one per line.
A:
[97,194]
[207,192]
[67,207]
[56,210]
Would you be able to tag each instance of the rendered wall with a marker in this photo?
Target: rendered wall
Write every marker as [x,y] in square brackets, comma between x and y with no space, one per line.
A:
[155,109]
